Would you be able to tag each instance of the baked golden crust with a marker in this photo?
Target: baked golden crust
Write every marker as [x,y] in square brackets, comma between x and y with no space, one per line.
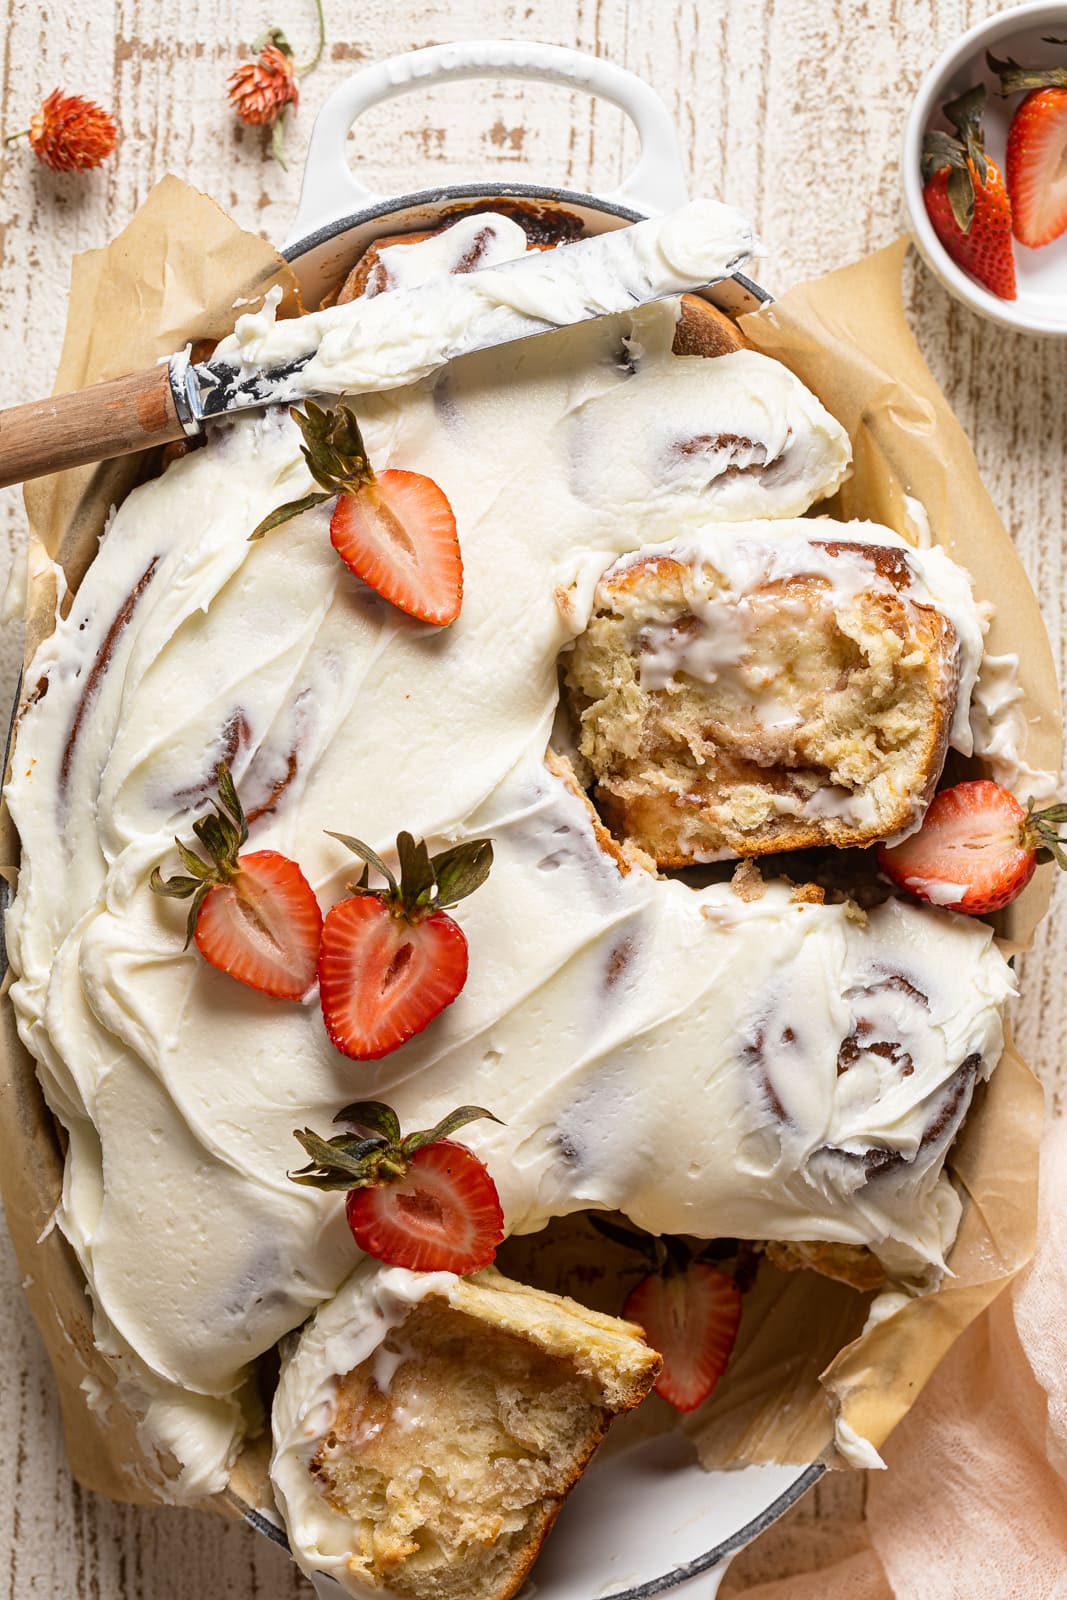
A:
[369,275]
[704,330]
[560,767]
[370,262]
[829,725]
[453,1473]
[853,1264]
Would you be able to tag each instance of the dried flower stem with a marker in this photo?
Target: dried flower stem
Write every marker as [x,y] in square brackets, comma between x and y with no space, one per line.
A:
[317,57]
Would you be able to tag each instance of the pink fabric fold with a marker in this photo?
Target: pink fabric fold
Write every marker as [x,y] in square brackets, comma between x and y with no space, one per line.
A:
[973,1504]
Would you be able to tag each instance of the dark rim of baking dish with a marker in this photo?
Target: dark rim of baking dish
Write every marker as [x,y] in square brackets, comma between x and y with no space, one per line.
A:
[481,191]
[669,1580]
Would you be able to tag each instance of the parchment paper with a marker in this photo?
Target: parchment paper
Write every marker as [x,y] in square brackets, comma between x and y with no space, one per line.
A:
[174,275]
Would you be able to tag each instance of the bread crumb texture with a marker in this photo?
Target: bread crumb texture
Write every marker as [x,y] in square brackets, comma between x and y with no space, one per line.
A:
[452,1474]
[807,716]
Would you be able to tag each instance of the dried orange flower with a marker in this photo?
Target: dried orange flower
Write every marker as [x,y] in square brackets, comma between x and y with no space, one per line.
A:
[69,133]
[264,91]
[260,90]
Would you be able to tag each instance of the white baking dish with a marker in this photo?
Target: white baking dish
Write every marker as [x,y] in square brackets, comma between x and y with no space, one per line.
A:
[650,1519]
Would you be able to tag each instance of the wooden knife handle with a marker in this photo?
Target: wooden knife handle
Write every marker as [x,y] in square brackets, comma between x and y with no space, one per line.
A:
[108,419]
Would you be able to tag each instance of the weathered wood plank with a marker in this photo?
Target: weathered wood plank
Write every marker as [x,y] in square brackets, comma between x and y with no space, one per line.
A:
[792,109]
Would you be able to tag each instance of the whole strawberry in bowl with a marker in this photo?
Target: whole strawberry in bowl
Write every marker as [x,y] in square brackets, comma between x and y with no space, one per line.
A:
[983,168]
[966,198]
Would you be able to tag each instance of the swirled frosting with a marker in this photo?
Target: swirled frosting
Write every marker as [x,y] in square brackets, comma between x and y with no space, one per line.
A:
[704,1063]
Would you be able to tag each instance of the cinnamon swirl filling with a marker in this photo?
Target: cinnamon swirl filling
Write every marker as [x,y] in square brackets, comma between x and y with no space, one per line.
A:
[871,1093]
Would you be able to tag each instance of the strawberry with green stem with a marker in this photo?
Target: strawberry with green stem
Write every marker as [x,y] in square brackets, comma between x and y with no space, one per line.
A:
[253,916]
[965,197]
[391,958]
[419,1201]
[977,848]
[394,529]
[1035,163]
[689,1309]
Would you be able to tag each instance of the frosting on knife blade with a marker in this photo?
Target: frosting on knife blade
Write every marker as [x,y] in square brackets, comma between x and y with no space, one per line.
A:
[384,343]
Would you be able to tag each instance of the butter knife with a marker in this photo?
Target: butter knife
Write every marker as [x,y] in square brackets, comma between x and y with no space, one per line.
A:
[378,343]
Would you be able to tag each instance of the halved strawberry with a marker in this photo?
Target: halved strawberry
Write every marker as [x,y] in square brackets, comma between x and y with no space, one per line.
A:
[382,978]
[423,1202]
[691,1316]
[966,199]
[396,532]
[263,927]
[253,916]
[442,1215]
[392,959]
[977,848]
[1035,164]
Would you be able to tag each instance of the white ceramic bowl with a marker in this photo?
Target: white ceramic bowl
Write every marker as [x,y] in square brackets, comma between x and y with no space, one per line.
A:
[1041,275]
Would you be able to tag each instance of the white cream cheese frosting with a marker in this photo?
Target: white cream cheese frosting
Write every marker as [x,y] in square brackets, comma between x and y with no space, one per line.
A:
[999,730]
[630,1032]
[483,239]
[373,344]
[750,556]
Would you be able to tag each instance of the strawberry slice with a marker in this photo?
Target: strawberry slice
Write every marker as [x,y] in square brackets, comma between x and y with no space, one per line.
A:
[423,1202]
[965,197]
[977,848]
[691,1316]
[1036,165]
[263,927]
[443,1215]
[253,916]
[392,959]
[396,532]
[382,978]
[1036,159]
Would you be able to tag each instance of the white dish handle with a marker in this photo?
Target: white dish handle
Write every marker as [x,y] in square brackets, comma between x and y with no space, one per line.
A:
[331,191]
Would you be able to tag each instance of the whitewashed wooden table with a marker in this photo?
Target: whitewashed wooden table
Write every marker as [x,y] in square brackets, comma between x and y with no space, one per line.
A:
[792,110]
